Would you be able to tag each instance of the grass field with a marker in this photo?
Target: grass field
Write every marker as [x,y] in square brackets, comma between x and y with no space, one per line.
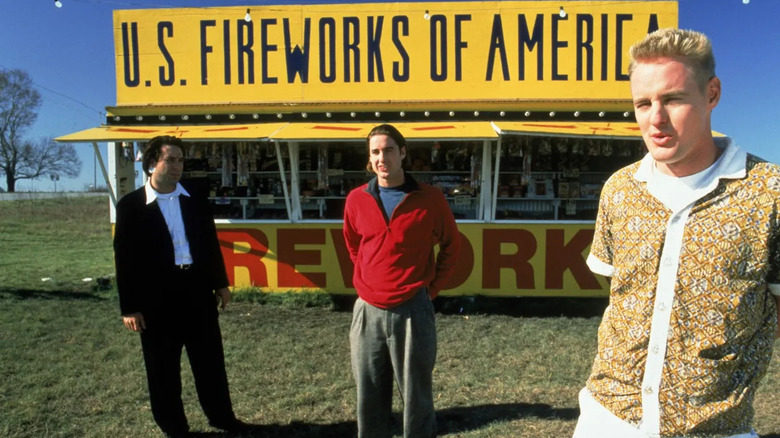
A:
[70,369]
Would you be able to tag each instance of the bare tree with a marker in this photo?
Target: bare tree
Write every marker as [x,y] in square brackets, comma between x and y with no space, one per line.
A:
[46,158]
[20,158]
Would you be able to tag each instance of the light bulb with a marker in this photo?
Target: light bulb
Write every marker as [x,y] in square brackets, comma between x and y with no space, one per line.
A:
[247,17]
[562,13]
[58,3]
[426,15]
[744,2]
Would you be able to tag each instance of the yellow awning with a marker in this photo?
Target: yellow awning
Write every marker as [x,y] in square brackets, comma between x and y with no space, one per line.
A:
[189,133]
[577,129]
[411,131]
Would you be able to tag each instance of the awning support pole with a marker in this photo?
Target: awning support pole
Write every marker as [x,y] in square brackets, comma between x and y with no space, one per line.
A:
[284,180]
[111,193]
[293,150]
[484,182]
[495,180]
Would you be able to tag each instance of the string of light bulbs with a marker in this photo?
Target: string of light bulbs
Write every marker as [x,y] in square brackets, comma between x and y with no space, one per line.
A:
[248,18]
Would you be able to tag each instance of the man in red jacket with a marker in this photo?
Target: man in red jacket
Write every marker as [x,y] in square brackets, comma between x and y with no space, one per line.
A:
[391,226]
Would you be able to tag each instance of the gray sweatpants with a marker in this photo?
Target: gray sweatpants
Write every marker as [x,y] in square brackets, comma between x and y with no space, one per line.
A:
[400,341]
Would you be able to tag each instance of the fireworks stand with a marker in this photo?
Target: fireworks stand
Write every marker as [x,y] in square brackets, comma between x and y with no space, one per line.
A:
[517,110]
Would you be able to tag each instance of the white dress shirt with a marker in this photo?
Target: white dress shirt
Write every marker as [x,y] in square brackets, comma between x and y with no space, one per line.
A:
[171,211]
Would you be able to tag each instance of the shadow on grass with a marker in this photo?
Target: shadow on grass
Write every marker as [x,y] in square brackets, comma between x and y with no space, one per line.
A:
[449,421]
[37,294]
[540,307]
[468,418]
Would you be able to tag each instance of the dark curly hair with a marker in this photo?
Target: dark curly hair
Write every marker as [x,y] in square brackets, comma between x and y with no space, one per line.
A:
[152,151]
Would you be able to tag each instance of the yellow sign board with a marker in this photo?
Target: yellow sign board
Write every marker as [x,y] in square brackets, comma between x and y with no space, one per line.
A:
[495,259]
[384,54]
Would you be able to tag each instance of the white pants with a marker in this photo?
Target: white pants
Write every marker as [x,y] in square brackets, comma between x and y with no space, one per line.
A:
[596,421]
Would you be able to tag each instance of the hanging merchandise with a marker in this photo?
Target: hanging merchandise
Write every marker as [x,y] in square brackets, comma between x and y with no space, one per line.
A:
[545,156]
[227,165]
[571,208]
[127,152]
[525,178]
[435,155]
[562,149]
[242,165]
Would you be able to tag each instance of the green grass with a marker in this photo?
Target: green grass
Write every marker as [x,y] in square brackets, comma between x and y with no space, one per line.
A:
[70,369]
[63,240]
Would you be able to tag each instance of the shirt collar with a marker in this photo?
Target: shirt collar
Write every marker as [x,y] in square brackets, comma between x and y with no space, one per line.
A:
[730,165]
[152,195]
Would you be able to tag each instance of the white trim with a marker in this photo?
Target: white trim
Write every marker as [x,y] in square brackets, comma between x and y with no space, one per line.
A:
[599,267]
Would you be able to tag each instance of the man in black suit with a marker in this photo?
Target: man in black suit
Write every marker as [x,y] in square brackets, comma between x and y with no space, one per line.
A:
[171,278]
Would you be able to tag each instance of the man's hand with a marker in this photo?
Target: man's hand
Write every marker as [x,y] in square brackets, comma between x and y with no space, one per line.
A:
[134,322]
[223,295]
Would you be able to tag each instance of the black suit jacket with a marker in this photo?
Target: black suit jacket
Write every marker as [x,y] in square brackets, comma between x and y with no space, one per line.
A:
[144,258]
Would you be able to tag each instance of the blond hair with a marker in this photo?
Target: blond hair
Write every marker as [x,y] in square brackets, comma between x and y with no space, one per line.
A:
[694,48]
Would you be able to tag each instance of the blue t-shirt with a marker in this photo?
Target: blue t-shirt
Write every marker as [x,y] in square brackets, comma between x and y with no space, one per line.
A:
[390,197]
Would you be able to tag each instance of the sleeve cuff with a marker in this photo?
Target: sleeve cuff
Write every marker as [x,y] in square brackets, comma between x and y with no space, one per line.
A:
[599,267]
[774,289]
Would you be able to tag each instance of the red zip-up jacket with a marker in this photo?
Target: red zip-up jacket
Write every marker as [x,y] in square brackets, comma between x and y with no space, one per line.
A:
[394,258]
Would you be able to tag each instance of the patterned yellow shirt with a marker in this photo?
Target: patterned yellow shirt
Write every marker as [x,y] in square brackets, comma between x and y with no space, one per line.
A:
[689,329]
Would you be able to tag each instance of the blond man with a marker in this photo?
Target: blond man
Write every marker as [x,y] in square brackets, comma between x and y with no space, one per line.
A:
[690,237]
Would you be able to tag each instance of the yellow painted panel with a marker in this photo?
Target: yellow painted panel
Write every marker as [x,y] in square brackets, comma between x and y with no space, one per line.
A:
[600,129]
[411,131]
[524,259]
[189,133]
[388,54]
[586,129]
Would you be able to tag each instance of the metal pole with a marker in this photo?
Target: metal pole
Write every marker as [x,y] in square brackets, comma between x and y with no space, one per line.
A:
[105,174]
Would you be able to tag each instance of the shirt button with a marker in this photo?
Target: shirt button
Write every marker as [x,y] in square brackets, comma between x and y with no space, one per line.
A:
[655,349]
[661,306]
[648,390]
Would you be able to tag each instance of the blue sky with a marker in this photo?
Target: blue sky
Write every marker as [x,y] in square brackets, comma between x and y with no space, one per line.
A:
[69,53]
